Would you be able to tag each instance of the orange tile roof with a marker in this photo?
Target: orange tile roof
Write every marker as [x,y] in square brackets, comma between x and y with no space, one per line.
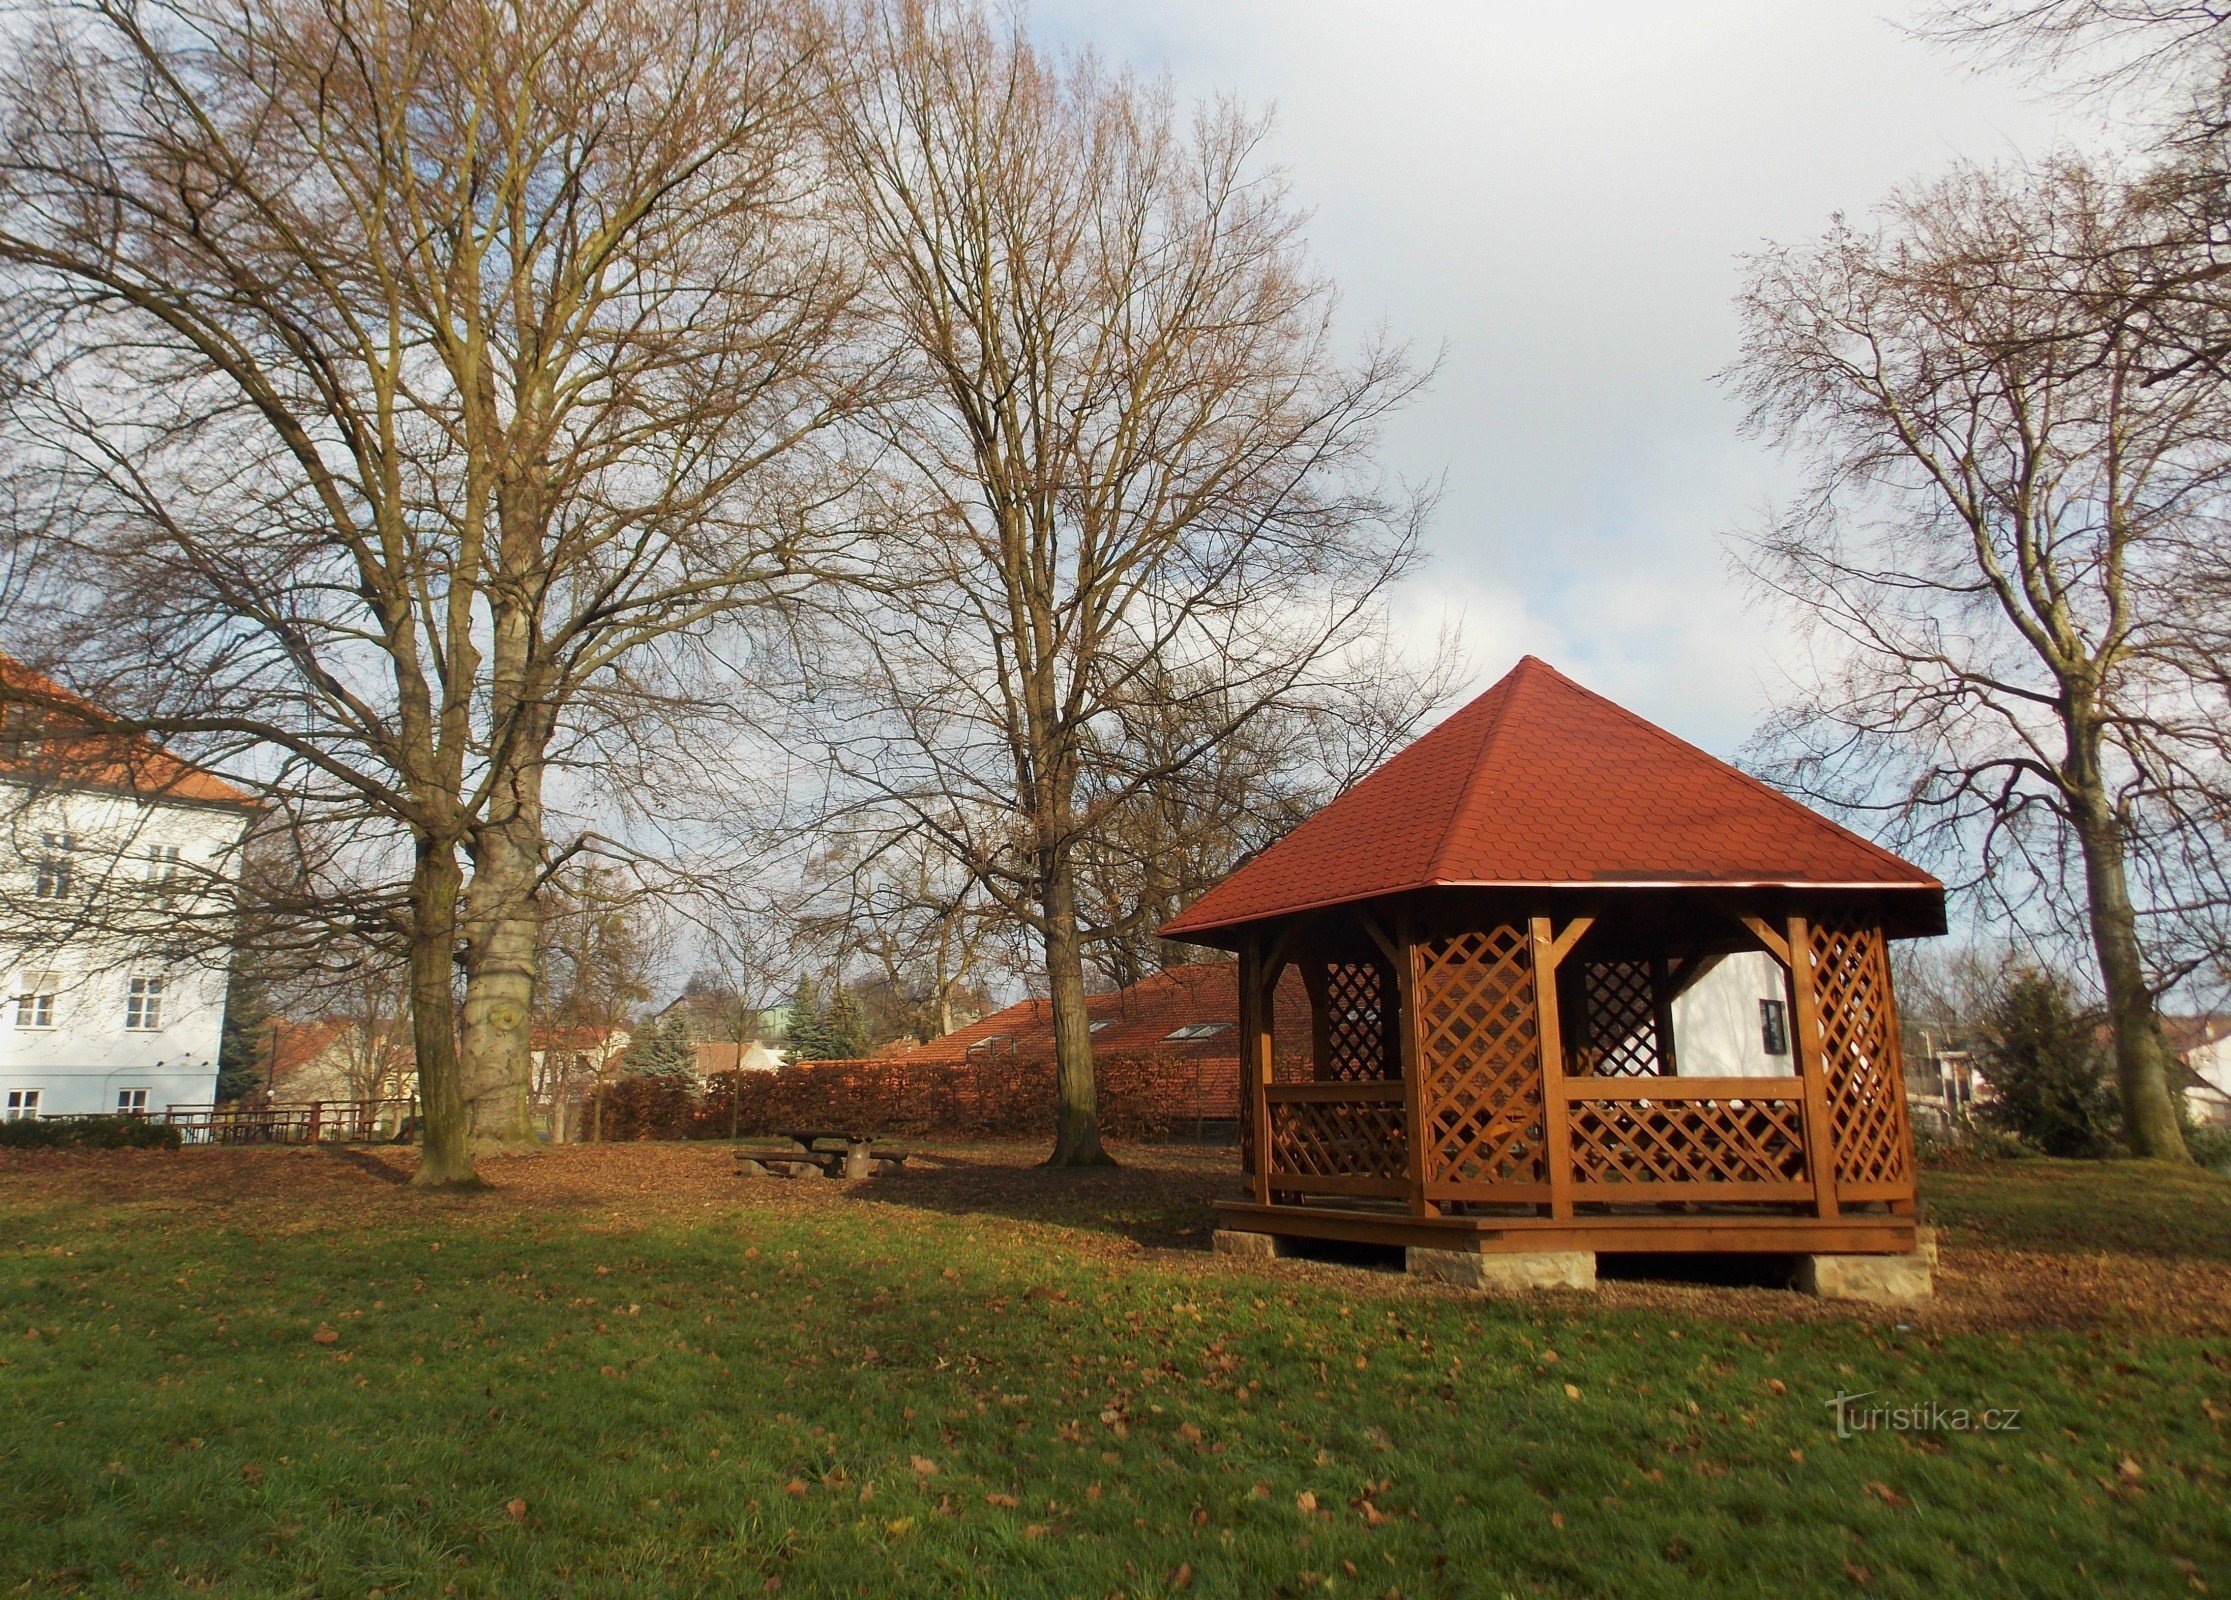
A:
[74,748]
[1135,1020]
[1540,782]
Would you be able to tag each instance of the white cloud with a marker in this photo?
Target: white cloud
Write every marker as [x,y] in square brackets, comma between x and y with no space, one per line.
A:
[1561,193]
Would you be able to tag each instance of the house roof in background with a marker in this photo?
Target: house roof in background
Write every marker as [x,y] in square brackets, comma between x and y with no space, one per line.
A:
[1540,782]
[1140,1019]
[84,755]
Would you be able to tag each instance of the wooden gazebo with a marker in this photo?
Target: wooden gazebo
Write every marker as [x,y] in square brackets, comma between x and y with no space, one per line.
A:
[1495,933]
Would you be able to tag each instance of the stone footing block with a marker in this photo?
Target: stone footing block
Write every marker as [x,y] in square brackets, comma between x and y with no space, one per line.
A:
[1499,1272]
[1253,1246]
[751,1169]
[1876,1280]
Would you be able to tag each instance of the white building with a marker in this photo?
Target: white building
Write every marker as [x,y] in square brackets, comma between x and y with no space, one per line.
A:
[112,930]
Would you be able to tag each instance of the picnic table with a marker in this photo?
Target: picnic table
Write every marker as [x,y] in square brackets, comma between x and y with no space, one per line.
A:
[834,1152]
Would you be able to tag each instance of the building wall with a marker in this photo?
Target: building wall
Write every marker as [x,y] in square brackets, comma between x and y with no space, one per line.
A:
[94,948]
[1717,1032]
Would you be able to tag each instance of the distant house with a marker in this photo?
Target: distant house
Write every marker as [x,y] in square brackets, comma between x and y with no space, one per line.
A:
[1186,1010]
[2202,1046]
[113,923]
[714,1057]
[338,1058]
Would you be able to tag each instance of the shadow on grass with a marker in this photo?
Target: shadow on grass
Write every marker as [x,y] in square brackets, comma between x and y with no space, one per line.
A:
[1156,1196]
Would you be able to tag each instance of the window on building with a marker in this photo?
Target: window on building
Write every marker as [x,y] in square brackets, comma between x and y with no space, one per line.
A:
[1773,1026]
[162,869]
[131,1102]
[23,1106]
[56,875]
[34,1002]
[143,1004]
[1197,1030]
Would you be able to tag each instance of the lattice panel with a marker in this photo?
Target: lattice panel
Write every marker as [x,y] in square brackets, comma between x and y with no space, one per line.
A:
[1859,1054]
[1337,1139]
[1479,1047]
[1688,1141]
[1620,1004]
[1359,1024]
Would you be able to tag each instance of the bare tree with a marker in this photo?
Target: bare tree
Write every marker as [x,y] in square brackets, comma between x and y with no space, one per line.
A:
[594,967]
[388,381]
[2003,509]
[1126,442]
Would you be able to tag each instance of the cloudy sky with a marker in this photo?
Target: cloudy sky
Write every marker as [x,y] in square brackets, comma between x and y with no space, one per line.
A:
[1560,194]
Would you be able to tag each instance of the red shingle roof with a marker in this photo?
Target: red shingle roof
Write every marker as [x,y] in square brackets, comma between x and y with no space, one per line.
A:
[71,745]
[1540,782]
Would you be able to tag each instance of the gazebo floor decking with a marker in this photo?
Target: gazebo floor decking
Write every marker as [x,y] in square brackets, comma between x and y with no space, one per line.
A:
[1615,1232]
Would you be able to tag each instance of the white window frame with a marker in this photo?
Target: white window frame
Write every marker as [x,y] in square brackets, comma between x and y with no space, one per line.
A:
[34,1002]
[1193,1031]
[22,1106]
[55,875]
[163,866]
[131,1102]
[143,1003]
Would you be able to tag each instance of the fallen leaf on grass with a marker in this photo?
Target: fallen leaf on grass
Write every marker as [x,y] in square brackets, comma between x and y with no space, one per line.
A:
[516,1510]
[1181,1575]
[2129,1470]
[325,1335]
[1858,1574]
[1572,1391]
[1186,1430]
[1776,1386]
[1305,1501]
[1006,1502]
[796,1486]
[252,1473]
[925,1467]
[1887,1495]
[1036,1530]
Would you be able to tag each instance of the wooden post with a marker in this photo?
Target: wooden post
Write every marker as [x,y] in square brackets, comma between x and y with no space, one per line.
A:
[1254,1008]
[317,1115]
[1556,1113]
[1661,1008]
[1417,1136]
[1804,1022]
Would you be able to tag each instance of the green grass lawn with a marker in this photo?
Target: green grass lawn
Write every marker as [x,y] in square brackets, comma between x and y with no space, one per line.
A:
[391,1394]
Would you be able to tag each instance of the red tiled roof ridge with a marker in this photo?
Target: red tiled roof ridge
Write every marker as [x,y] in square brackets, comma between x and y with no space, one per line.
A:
[1538,782]
[1523,675]
[1475,780]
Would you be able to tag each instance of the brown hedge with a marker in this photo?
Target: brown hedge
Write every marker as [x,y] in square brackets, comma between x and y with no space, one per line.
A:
[1142,1096]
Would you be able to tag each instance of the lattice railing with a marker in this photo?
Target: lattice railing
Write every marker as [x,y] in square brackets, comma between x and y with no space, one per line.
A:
[1479,1048]
[1619,1016]
[1859,1057]
[1358,1026]
[1732,1146]
[1339,1138]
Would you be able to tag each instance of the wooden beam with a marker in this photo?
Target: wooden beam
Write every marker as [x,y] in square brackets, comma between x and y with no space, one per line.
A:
[1804,1013]
[1255,1061]
[1661,1014]
[1370,925]
[1556,1115]
[1764,932]
[1414,1068]
[1562,946]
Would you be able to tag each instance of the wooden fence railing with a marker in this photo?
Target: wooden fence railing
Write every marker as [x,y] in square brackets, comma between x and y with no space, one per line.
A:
[303,1122]
[1338,1138]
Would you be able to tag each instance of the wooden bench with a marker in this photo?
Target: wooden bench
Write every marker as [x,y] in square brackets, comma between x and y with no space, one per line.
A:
[829,1152]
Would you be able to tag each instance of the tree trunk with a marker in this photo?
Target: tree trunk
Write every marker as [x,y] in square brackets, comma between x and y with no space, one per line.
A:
[1076,1097]
[501,963]
[2150,1124]
[445,1142]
